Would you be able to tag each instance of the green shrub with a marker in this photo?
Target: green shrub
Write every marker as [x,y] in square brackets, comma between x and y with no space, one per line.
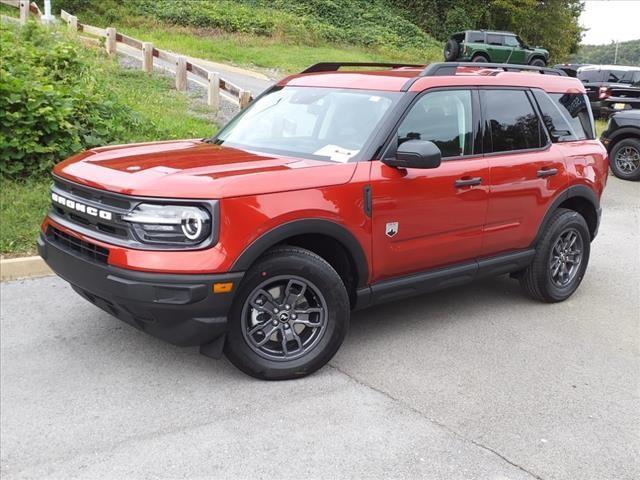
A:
[52,102]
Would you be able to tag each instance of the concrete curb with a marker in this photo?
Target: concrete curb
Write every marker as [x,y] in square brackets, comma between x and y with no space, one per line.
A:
[24,267]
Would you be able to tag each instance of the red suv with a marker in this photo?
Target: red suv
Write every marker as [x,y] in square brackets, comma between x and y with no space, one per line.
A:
[333,191]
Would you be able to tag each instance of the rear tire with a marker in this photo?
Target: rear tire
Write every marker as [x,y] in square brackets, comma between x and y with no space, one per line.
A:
[479,59]
[625,159]
[290,316]
[538,62]
[451,50]
[561,258]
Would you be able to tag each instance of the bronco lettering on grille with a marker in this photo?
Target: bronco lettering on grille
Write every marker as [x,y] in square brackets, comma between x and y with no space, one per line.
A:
[80,207]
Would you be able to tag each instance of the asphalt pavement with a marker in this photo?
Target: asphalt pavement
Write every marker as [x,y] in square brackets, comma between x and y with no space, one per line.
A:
[473,382]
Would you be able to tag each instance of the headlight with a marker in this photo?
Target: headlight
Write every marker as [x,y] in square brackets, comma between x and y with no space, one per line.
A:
[170,224]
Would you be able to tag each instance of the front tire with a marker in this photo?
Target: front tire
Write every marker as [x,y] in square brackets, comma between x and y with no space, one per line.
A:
[625,159]
[538,62]
[561,258]
[290,316]
[479,59]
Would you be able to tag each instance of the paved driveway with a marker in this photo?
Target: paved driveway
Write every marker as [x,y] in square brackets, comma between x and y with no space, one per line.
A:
[474,382]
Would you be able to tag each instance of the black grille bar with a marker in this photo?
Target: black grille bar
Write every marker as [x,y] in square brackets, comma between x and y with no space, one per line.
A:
[73,244]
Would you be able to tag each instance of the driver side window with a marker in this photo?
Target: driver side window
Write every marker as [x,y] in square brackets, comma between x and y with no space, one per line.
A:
[444,118]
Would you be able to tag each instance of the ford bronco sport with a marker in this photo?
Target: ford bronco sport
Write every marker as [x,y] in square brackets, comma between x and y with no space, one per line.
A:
[492,46]
[334,190]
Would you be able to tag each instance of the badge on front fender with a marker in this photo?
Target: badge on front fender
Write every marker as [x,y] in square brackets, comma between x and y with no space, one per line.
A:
[392,229]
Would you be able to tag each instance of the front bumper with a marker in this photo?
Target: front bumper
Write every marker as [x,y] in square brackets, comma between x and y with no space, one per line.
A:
[181,309]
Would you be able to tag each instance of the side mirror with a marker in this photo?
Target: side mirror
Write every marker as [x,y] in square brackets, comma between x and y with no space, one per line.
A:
[415,154]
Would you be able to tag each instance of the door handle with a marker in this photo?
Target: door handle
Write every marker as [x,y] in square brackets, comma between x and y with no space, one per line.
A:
[547,172]
[467,182]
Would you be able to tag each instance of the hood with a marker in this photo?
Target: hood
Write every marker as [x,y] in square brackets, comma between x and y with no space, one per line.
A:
[195,169]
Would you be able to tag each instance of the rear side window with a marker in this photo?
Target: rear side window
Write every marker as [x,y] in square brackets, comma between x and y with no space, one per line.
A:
[493,39]
[628,77]
[444,118]
[475,37]
[575,107]
[511,120]
[590,75]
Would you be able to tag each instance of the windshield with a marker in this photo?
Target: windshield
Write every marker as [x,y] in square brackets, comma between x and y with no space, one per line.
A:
[317,123]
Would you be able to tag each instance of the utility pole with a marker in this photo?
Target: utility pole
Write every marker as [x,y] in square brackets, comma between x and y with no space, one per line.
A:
[615,57]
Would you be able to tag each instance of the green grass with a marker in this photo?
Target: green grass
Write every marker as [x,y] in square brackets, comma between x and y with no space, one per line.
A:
[167,114]
[22,207]
[266,52]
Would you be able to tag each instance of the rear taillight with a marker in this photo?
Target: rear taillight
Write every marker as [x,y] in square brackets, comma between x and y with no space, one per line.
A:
[604,93]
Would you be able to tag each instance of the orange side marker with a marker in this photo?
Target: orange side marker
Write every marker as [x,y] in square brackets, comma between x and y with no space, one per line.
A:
[222,287]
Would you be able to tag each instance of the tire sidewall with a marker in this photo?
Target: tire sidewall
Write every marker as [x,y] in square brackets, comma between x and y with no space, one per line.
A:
[567,220]
[479,59]
[627,142]
[336,298]
[538,62]
[453,48]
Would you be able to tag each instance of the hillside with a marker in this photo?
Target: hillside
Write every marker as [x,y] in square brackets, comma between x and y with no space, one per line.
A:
[628,53]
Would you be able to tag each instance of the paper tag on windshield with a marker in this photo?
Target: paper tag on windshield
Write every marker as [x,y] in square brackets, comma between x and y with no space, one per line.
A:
[336,153]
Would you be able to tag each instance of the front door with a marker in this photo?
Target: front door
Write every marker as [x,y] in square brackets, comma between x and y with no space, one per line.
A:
[427,218]
[498,52]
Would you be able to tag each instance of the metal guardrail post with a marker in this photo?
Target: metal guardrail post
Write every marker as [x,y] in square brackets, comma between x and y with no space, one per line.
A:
[111,44]
[181,74]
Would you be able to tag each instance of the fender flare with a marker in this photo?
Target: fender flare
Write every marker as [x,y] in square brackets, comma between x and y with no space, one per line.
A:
[573,191]
[615,136]
[301,227]
[532,55]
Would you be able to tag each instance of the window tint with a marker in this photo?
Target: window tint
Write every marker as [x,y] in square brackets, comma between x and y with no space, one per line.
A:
[475,37]
[557,125]
[444,118]
[511,41]
[513,124]
[493,39]
[575,109]
[590,75]
[622,76]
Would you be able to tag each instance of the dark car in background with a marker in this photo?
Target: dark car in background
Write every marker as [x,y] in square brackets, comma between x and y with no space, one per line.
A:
[494,47]
[622,141]
[611,88]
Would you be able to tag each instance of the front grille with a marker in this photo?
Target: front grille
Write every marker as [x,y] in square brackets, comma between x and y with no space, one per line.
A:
[73,244]
[117,205]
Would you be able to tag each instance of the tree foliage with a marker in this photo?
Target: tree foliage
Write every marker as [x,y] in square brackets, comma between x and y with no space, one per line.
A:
[552,24]
[628,54]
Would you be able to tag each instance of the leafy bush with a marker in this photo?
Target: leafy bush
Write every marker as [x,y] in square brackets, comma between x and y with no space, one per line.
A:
[52,102]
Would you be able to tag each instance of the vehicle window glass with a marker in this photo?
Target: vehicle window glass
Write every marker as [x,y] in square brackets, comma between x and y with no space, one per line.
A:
[475,37]
[511,41]
[590,75]
[444,118]
[575,109]
[493,39]
[559,127]
[317,123]
[512,120]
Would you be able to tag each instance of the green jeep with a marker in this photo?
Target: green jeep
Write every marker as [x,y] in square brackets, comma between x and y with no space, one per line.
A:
[495,47]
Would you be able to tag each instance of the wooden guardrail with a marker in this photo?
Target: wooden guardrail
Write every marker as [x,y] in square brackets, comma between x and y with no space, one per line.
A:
[215,84]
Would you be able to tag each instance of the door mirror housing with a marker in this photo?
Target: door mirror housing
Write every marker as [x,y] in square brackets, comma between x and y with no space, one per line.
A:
[415,154]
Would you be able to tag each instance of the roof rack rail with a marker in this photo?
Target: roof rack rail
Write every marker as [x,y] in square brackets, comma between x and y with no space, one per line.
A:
[335,66]
[449,68]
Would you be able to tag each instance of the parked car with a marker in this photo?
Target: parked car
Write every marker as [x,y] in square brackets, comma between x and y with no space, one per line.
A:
[493,46]
[334,191]
[611,88]
[622,141]
[570,69]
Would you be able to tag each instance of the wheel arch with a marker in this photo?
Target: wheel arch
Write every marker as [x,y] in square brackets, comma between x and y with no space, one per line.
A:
[622,134]
[481,53]
[326,238]
[578,198]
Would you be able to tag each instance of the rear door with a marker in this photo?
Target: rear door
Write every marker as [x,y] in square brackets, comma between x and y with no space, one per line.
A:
[526,169]
[426,218]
